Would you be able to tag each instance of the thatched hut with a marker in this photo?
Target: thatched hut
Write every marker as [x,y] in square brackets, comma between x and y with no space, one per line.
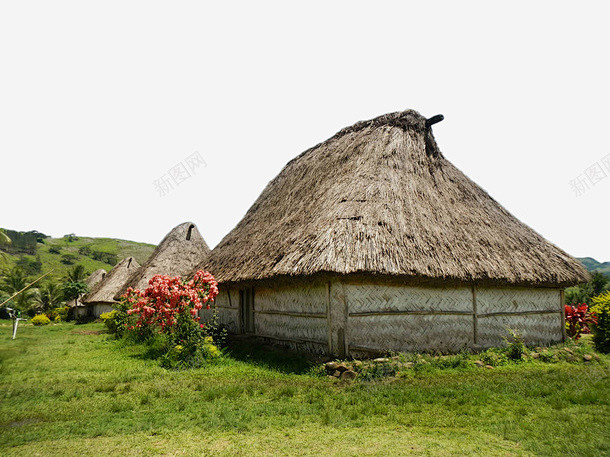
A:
[373,241]
[100,298]
[179,252]
[79,308]
[95,277]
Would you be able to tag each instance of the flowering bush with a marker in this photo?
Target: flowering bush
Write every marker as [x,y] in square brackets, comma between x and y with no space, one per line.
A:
[40,319]
[170,306]
[578,319]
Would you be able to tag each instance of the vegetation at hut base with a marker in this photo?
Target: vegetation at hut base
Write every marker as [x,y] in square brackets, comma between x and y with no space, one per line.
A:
[70,389]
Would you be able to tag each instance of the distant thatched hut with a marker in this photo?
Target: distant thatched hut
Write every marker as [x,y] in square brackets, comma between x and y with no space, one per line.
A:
[79,308]
[179,252]
[373,241]
[100,298]
[95,277]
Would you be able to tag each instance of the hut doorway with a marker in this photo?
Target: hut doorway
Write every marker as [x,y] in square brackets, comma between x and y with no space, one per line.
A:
[246,309]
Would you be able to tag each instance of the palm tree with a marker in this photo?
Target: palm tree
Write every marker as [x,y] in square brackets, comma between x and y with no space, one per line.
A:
[76,274]
[48,296]
[74,285]
[13,281]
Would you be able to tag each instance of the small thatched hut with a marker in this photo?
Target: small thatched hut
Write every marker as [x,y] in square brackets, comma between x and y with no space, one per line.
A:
[373,241]
[100,298]
[95,277]
[92,280]
[179,252]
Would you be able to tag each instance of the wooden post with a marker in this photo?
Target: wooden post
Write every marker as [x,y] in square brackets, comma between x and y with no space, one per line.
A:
[475,318]
[329,325]
[338,319]
[562,302]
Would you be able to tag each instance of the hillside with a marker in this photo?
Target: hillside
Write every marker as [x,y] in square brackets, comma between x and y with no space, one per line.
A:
[593,265]
[38,254]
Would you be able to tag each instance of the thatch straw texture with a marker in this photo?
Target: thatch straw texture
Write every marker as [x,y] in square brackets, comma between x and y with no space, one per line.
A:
[179,252]
[92,280]
[380,198]
[105,290]
[95,277]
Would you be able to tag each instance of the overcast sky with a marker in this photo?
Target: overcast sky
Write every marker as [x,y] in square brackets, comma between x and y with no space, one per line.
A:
[97,101]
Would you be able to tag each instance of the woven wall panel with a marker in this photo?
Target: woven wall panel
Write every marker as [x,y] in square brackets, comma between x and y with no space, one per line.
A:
[375,298]
[226,316]
[308,298]
[541,329]
[495,300]
[222,299]
[101,309]
[291,327]
[447,333]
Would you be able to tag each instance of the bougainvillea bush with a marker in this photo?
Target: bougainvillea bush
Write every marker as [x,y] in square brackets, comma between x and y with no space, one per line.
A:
[168,310]
[578,320]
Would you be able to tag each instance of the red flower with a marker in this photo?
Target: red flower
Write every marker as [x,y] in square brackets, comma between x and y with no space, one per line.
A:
[166,298]
[578,319]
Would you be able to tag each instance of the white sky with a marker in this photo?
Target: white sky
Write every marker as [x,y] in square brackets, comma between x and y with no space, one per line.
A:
[99,100]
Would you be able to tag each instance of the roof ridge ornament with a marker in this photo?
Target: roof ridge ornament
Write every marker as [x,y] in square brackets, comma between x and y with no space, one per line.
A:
[434,120]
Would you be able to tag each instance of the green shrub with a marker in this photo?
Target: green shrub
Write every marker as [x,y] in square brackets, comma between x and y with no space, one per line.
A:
[40,319]
[214,329]
[494,357]
[515,348]
[180,357]
[110,321]
[601,330]
[60,312]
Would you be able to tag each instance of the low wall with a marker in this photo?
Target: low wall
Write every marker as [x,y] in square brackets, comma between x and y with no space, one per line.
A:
[356,318]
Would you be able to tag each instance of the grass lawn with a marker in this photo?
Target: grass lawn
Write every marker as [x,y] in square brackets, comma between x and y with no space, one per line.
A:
[71,390]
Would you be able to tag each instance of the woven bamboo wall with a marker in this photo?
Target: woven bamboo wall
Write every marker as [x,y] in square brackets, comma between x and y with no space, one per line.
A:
[293,313]
[401,318]
[535,313]
[356,318]
[100,308]
[227,304]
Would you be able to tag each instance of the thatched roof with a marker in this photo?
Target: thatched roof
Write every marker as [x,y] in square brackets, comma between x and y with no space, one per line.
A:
[380,198]
[105,290]
[95,277]
[92,280]
[179,252]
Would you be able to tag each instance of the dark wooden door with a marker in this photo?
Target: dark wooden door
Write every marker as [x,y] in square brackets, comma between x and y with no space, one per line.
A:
[246,307]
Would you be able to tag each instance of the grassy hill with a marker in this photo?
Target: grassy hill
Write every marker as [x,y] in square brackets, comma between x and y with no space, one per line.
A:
[43,254]
[593,265]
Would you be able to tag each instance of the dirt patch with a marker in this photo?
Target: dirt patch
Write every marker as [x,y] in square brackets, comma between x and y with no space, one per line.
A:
[22,422]
[88,332]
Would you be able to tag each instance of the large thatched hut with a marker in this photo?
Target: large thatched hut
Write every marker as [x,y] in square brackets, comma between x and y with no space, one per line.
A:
[373,241]
[179,252]
[100,298]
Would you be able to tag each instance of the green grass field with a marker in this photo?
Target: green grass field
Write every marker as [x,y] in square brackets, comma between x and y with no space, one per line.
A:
[71,390]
